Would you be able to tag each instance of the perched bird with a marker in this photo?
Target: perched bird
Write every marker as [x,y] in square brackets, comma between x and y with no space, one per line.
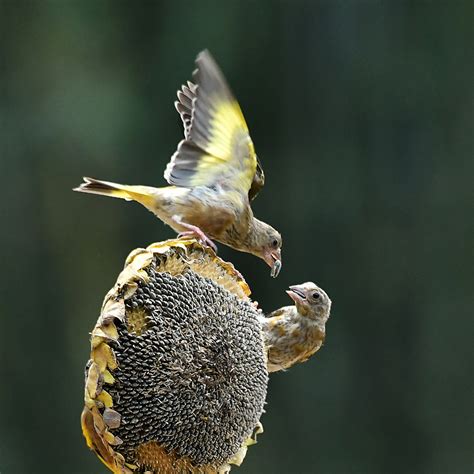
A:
[293,334]
[213,175]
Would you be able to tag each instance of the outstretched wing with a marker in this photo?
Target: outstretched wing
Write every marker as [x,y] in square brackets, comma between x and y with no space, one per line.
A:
[217,149]
[184,106]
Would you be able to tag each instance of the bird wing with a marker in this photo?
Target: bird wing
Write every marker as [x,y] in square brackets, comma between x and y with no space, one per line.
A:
[217,149]
[258,181]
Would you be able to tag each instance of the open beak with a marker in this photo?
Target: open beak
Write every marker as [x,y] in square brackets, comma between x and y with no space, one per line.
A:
[273,260]
[297,294]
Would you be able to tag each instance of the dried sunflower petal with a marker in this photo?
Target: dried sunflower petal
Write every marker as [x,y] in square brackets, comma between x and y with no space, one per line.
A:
[177,378]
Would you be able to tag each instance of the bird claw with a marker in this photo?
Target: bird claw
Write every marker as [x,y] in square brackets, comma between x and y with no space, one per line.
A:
[200,235]
[194,231]
[207,241]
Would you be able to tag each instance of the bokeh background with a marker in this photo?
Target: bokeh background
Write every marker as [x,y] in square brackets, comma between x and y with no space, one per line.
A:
[362,115]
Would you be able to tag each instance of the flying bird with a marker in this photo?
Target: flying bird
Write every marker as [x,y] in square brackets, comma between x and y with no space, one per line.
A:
[292,334]
[213,175]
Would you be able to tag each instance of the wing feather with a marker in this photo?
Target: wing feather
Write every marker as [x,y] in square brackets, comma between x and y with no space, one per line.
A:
[184,105]
[258,181]
[217,149]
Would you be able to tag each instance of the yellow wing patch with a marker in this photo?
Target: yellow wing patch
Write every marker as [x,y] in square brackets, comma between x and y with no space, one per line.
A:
[227,123]
[230,152]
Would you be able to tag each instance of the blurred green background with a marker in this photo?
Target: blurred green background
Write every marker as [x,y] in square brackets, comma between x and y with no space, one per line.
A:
[362,115]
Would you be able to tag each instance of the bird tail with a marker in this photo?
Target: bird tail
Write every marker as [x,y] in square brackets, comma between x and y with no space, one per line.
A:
[142,194]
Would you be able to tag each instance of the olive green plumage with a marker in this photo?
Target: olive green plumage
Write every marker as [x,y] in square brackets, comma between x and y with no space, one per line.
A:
[213,175]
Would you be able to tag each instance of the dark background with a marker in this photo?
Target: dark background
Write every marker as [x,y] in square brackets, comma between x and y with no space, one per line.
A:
[362,114]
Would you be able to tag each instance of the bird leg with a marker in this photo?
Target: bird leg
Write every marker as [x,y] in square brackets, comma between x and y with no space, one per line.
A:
[194,231]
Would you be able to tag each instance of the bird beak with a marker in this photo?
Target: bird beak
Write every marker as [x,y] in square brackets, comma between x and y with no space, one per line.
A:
[297,294]
[273,260]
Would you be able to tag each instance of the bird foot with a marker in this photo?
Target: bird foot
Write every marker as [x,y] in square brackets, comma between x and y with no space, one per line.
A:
[201,236]
[194,231]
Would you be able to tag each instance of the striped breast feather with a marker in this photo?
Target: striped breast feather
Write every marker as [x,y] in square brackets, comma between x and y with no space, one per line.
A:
[217,148]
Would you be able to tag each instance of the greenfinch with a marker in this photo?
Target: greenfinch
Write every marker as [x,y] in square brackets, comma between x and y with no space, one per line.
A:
[213,175]
[292,334]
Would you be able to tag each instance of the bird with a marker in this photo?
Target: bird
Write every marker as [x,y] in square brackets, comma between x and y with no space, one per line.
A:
[292,334]
[213,176]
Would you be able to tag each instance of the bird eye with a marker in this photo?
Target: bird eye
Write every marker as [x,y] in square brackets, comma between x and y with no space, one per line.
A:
[316,296]
[275,243]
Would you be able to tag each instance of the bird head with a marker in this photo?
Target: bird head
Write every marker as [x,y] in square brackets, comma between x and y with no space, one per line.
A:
[265,242]
[270,250]
[311,301]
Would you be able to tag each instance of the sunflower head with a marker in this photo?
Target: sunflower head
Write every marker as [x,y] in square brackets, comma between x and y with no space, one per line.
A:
[177,378]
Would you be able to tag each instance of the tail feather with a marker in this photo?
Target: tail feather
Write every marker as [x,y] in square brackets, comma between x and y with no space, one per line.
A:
[142,194]
[105,188]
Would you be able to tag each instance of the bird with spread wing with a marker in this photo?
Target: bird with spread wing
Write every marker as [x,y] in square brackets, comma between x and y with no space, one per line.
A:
[213,175]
